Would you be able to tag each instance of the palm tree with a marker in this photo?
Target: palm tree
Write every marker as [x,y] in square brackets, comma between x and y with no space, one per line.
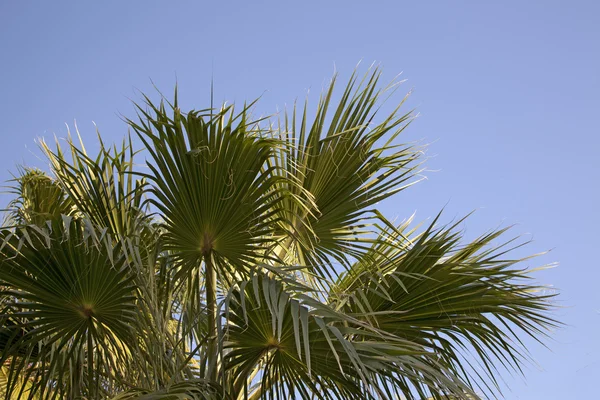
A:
[246,260]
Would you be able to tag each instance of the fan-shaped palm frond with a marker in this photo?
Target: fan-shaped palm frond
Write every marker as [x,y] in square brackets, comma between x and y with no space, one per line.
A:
[280,341]
[211,186]
[347,163]
[74,297]
[218,201]
[450,297]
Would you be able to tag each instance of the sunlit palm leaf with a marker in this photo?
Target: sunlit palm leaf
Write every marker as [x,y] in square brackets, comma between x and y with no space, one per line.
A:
[38,198]
[210,184]
[23,383]
[197,389]
[102,188]
[348,163]
[454,298]
[301,346]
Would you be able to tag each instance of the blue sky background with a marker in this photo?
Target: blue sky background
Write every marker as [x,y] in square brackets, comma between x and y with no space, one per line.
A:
[508,95]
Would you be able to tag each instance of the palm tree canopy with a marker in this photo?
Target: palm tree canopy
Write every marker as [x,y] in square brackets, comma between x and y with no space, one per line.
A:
[247,259]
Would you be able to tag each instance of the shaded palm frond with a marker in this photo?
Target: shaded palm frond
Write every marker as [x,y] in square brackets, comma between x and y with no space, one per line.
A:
[74,297]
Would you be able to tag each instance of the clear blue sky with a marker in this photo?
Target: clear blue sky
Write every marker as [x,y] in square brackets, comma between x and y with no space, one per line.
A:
[508,94]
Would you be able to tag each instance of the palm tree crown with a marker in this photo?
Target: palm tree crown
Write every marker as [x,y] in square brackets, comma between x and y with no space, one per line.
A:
[248,260]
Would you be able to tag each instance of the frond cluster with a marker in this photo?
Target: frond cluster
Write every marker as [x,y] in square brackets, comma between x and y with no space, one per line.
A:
[247,260]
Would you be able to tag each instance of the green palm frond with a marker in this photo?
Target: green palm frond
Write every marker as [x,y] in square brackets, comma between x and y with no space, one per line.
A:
[348,163]
[210,184]
[450,297]
[280,342]
[102,188]
[197,389]
[74,296]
